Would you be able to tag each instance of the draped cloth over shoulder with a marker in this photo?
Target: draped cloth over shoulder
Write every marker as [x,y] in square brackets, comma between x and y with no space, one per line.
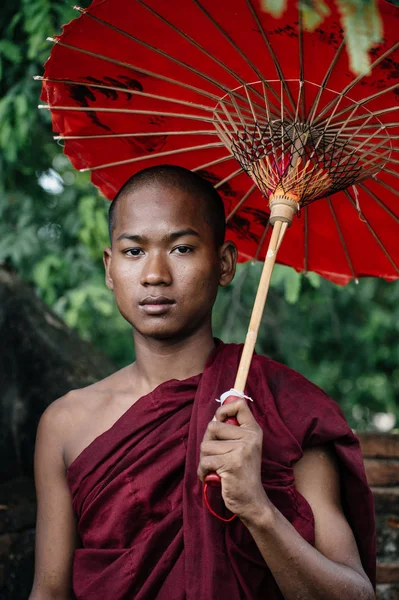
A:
[145,531]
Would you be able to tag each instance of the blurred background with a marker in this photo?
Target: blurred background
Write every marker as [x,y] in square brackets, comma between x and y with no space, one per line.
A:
[59,326]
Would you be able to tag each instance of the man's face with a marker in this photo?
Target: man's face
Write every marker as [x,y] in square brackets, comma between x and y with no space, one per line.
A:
[164,267]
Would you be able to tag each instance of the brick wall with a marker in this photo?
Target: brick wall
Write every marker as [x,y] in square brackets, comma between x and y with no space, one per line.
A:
[381,460]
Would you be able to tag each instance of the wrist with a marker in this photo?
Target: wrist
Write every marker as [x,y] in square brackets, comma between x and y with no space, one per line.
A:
[260,517]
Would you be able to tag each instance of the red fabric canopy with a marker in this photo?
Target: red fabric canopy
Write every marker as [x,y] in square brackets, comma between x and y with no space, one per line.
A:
[139,83]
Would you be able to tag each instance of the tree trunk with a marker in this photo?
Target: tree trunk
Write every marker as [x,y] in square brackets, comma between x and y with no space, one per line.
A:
[40,360]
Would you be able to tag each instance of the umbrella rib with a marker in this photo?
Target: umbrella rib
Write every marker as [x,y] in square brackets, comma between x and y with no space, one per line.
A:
[212,163]
[262,241]
[129,91]
[374,234]
[272,54]
[241,202]
[371,172]
[369,126]
[235,46]
[383,158]
[395,173]
[376,113]
[142,134]
[323,85]
[365,142]
[159,51]
[132,111]
[223,131]
[155,155]
[301,93]
[203,50]
[342,239]
[380,202]
[356,80]
[137,69]
[269,123]
[238,110]
[387,137]
[387,186]
[228,178]
[372,152]
[367,99]
[359,128]
[372,147]
[228,117]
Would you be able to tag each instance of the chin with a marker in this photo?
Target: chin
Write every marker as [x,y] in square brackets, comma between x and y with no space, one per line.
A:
[158,330]
[165,331]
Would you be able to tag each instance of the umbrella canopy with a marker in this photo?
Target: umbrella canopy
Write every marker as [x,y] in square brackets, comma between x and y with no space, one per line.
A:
[213,86]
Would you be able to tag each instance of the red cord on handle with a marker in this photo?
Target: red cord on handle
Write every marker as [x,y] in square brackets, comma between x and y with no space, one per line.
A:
[211,509]
[213,479]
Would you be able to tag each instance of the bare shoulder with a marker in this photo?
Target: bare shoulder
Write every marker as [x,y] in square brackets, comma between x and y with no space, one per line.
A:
[317,475]
[62,414]
[78,418]
[317,478]
[55,420]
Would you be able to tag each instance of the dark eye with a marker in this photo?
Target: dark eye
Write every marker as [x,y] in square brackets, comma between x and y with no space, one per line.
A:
[134,251]
[182,249]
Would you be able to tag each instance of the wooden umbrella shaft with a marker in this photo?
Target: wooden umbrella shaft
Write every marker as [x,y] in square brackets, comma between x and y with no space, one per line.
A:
[278,232]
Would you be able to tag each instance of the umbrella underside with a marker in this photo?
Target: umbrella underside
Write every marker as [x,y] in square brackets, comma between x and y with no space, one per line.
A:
[228,91]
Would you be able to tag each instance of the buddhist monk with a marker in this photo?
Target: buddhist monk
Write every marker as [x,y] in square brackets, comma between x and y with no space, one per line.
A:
[120,464]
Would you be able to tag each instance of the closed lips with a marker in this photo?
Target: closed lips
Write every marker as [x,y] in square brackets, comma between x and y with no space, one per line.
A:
[156,300]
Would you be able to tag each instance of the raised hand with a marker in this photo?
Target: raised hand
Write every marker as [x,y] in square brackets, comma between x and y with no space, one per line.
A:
[234,453]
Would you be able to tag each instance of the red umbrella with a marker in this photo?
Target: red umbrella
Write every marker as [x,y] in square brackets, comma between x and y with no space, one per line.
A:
[226,90]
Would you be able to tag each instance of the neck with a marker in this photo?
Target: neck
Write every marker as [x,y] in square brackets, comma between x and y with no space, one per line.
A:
[158,361]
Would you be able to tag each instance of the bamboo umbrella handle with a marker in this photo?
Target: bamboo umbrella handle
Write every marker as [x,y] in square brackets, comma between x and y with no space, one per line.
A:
[279,230]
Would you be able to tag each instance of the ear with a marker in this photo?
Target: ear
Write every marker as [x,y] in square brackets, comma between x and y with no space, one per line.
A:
[107,259]
[228,261]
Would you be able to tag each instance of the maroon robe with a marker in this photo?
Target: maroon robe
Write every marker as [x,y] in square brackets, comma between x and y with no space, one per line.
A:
[145,531]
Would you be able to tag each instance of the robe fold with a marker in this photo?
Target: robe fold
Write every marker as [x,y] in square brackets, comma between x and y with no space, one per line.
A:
[145,532]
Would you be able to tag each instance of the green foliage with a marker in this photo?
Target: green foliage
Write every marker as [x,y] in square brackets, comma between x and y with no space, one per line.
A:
[344,339]
[53,227]
[360,19]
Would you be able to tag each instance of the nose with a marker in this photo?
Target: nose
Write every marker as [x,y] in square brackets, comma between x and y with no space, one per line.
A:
[156,270]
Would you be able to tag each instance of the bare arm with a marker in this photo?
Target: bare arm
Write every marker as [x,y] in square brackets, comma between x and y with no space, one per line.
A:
[56,536]
[329,571]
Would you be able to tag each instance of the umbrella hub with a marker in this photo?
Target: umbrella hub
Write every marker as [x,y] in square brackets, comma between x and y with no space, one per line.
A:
[292,153]
[283,207]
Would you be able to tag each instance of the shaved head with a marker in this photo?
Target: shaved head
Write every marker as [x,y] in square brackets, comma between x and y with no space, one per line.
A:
[210,204]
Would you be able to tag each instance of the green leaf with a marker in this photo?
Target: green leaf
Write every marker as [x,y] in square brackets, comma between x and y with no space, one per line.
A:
[43,269]
[5,135]
[21,105]
[292,283]
[314,279]
[10,51]
[274,7]
[4,107]
[13,23]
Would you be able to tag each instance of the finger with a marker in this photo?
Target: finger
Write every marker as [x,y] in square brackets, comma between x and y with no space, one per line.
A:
[217,430]
[210,464]
[239,409]
[217,447]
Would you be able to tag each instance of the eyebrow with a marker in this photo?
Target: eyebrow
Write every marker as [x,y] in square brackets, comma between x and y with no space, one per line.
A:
[170,237]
